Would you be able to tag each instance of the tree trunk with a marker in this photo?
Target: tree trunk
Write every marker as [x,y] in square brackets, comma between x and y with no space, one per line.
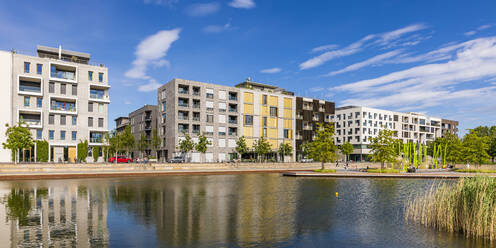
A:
[382,165]
[322,167]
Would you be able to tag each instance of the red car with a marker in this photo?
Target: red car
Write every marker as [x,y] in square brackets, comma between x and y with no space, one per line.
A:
[120,159]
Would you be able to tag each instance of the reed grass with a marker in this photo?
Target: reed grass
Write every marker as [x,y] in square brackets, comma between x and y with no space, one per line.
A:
[468,206]
[475,171]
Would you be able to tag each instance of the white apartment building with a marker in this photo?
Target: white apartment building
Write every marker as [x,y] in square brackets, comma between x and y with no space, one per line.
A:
[59,95]
[358,124]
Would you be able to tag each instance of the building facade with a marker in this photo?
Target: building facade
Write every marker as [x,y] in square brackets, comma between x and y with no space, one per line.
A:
[59,95]
[357,125]
[449,126]
[121,123]
[309,113]
[143,121]
[223,114]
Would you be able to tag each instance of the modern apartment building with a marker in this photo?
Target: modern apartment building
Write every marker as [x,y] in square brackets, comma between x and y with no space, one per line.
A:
[60,96]
[223,114]
[310,112]
[268,111]
[358,124]
[143,121]
[121,123]
[449,126]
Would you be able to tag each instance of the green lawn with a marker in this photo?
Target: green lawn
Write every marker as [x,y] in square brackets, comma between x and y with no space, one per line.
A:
[475,171]
[325,171]
[383,171]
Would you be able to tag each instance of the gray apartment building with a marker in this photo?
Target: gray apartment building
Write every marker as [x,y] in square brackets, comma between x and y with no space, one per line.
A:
[60,96]
[121,123]
[192,107]
[143,120]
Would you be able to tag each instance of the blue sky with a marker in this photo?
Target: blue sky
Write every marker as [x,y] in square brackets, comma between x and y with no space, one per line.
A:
[435,57]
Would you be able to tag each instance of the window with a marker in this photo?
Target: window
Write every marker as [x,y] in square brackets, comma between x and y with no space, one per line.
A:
[90,121]
[221,118]
[90,76]
[100,122]
[90,107]
[51,88]
[26,101]
[51,119]
[39,135]
[163,106]
[222,131]
[62,120]
[100,77]
[62,89]
[209,93]
[210,118]
[74,90]
[264,99]
[265,132]
[62,135]
[74,135]
[51,134]
[248,120]
[273,111]
[39,102]
[100,107]
[26,67]
[74,120]
[264,121]
[286,133]
[39,69]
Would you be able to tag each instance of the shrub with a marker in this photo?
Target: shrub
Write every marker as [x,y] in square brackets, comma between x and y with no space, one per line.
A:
[96,153]
[82,150]
[325,171]
[42,151]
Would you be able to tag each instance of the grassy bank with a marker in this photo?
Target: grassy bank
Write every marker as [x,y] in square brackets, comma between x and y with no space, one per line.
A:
[383,171]
[325,171]
[469,206]
[475,171]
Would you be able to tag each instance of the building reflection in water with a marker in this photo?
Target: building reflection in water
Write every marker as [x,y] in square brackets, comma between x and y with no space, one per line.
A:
[68,215]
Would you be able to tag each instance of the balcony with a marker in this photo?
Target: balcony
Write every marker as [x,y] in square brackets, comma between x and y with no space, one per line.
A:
[183,117]
[233,121]
[196,130]
[62,72]
[30,86]
[98,95]
[183,104]
[196,91]
[63,106]
[31,118]
[96,137]
[233,96]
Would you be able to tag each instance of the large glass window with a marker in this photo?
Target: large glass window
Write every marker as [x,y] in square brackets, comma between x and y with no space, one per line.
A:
[100,77]
[62,135]
[273,111]
[96,94]
[39,102]
[26,67]
[90,76]
[26,101]
[74,135]
[74,120]
[51,134]
[39,135]
[57,73]
[64,106]
[248,120]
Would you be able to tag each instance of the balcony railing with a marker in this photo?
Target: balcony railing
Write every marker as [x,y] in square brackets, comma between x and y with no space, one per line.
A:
[233,110]
[182,117]
[183,91]
[196,105]
[196,131]
[233,134]
[61,108]
[96,140]
[26,88]
[233,121]
[69,75]
[196,118]
[182,104]
[196,93]
[233,98]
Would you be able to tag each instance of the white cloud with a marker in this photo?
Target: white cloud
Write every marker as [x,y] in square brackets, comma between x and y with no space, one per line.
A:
[472,32]
[150,86]
[372,61]
[383,39]
[218,28]
[151,51]
[325,48]
[242,4]
[462,78]
[203,9]
[271,70]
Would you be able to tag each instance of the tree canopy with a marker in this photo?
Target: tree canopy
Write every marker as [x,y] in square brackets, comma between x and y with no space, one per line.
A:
[241,146]
[347,149]
[322,147]
[261,147]
[202,144]
[18,137]
[382,147]
[475,148]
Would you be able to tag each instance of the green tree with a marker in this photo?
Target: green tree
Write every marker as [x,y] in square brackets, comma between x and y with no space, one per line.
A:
[127,140]
[382,147]
[322,147]
[115,144]
[347,149]
[186,145]
[285,149]
[155,142]
[96,153]
[241,146]
[202,144]
[82,150]
[452,144]
[18,137]
[475,148]
[42,151]
[261,147]
[142,144]
[106,146]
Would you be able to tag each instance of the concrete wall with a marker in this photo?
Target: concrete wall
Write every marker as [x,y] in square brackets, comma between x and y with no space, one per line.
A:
[5,101]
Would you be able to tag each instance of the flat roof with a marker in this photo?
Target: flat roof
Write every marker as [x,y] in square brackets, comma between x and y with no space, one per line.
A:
[55,50]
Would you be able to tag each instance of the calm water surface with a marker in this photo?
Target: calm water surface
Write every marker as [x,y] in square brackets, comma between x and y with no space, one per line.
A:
[250,210]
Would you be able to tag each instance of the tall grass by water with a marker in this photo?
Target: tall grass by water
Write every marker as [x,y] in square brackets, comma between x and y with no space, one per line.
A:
[468,206]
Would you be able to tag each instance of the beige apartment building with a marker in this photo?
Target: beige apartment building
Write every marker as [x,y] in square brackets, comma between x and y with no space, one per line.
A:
[223,114]
[60,96]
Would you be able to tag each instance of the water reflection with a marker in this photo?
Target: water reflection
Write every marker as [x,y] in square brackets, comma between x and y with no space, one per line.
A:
[59,216]
[251,210]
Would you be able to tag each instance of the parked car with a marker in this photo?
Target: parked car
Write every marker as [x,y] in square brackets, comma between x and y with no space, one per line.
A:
[120,159]
[177,159]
